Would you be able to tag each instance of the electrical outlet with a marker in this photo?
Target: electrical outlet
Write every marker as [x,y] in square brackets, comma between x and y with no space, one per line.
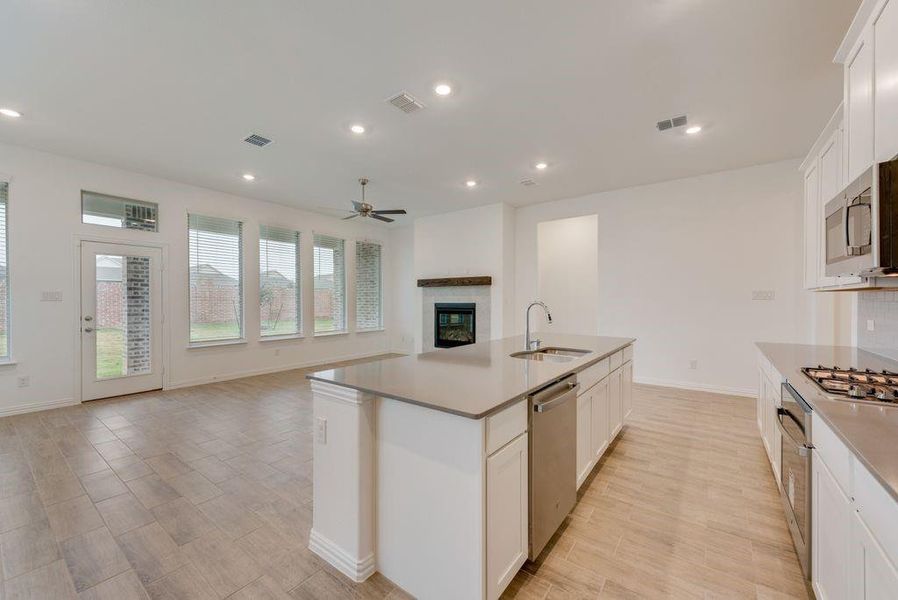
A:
[321,430]
[763,295]
[693,364]
[871,326]
[23,381]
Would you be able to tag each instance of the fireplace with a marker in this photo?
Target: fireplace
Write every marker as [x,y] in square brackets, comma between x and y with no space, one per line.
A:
[454,324]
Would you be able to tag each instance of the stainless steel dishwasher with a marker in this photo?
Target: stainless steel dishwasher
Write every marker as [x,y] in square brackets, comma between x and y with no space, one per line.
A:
[553,459]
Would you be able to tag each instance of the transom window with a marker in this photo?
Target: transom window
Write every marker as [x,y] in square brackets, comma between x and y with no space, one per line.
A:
[112,211]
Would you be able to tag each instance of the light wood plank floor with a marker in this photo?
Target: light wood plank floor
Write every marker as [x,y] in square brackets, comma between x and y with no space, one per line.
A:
[205,493]
[683,506]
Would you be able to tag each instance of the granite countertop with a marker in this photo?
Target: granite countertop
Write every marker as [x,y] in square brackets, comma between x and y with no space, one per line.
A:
[869,430]
[472,381]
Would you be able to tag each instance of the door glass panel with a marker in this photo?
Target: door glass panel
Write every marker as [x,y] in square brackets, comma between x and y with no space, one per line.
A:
[123,322]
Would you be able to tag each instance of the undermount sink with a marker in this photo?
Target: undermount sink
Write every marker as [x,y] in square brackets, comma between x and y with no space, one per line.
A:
[551,353]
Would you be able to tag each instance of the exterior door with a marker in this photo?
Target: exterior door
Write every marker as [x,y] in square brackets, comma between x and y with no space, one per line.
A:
[121,319]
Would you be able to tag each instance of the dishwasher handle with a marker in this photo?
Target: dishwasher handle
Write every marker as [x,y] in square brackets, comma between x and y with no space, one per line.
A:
[557,400]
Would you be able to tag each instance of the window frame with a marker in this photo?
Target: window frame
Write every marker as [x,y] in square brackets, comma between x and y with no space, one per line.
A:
[345,329]
[241,338]
[6,359]
[380,285]
[124,201]
[298,290]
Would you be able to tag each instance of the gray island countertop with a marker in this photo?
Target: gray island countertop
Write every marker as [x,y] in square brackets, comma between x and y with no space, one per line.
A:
[471,381]
[869,430]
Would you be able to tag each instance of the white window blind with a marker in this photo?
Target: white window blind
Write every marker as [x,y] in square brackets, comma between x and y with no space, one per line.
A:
[4,273]
[216,278]
[368,286]
[330,284]
[280,296]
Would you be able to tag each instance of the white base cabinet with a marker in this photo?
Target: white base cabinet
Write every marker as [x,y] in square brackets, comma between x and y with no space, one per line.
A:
[872,575]
[768,402]
[604,401]
[831,526]
[506,515]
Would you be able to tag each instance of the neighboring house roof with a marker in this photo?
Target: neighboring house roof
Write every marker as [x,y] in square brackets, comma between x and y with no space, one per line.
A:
[109,268]
[208,275]
[274,278]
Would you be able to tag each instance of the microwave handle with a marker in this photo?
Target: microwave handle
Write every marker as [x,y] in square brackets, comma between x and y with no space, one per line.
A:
[850,249]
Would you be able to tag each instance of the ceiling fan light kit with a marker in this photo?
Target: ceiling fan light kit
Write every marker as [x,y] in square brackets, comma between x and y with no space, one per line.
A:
[363,209]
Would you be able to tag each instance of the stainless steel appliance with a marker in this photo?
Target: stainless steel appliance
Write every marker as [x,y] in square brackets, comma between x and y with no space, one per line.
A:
[552,460]
[880,387]
[794,421]
[861,225]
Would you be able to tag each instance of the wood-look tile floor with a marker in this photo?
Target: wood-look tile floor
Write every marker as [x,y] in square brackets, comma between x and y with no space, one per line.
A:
[205,493]
[684,505]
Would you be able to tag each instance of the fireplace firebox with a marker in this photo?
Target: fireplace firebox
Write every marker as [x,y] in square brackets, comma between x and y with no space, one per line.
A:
[454,324]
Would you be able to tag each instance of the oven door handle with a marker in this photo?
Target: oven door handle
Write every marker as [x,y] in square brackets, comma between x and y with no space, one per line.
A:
[803,449]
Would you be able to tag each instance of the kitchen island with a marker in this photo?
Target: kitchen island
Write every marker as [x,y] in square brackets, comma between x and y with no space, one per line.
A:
[421,462]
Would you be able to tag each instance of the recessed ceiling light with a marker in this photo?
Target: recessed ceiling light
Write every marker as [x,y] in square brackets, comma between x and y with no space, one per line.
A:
[470,183]
[693,130]
[357,129]
[443,89]
[8,112]
[249,177]
[541,165]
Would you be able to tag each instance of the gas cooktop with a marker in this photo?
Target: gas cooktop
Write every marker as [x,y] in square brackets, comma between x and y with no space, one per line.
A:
[872,386]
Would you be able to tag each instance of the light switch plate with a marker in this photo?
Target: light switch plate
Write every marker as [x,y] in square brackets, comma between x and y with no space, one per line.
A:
[321,430]
[763,295]
[871,325]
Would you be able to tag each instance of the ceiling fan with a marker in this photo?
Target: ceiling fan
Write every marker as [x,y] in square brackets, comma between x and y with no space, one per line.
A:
[363,209]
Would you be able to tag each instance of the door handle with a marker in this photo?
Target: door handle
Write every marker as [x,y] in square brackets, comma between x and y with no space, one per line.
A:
[88,318]
[88,329]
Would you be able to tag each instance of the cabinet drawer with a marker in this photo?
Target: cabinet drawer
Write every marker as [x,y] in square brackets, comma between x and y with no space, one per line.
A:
[832,452]
[590,376]
[628,353]
[877,509]
[616,360]
[505,426]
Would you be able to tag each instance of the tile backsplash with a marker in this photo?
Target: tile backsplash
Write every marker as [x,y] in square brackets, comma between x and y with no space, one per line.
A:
[882,308]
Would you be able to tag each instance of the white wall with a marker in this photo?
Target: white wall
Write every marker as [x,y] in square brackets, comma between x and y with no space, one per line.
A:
[677,265]
[475,241]
[568,254]
[44,217]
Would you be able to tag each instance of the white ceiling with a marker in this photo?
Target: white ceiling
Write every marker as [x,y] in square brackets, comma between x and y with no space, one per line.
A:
[170,87]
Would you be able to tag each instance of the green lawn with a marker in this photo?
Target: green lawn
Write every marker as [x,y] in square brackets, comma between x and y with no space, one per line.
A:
[213,331]
[323,323]
[110,353]
[281,328]
[4,349]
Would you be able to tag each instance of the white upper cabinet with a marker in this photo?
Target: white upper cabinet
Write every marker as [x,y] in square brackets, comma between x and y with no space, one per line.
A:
[885,36]
[812,227]
[859,106]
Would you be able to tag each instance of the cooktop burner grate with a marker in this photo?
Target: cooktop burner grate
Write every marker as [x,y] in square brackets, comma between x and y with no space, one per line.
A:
[876,386]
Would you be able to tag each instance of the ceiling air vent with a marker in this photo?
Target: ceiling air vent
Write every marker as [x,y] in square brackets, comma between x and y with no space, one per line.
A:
[257,140]
[528,181]
[671,123]
[405,102]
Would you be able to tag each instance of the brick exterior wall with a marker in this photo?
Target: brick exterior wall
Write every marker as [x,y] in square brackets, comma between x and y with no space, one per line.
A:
[214,303]
[110,304]
[137,314]
[324,304]
[368,286]
[277,303]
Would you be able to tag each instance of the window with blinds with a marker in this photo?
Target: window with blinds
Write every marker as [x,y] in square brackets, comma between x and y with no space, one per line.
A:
[112,211]
[4,272]
[368,286]
[280,303]
[330,284]
[216,278]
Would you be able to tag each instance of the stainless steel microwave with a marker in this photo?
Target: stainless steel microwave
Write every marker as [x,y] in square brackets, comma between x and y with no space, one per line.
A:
[861,225]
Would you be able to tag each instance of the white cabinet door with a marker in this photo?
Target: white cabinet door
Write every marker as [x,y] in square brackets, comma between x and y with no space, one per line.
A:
[812,233]
[506,515]
[599,427]
[773,429]
[859,107]
[885,34]
[627,389]
[872,576]
[614,402]
[831,535]
[585,455]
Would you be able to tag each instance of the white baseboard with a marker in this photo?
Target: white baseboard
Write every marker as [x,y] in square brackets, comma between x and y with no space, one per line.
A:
[699,387]
[267,370]
[357,570]
[19,409]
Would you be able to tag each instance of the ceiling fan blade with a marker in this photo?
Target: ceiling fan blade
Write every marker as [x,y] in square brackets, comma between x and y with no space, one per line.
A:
[396,211]
[353,216]
[380,218]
